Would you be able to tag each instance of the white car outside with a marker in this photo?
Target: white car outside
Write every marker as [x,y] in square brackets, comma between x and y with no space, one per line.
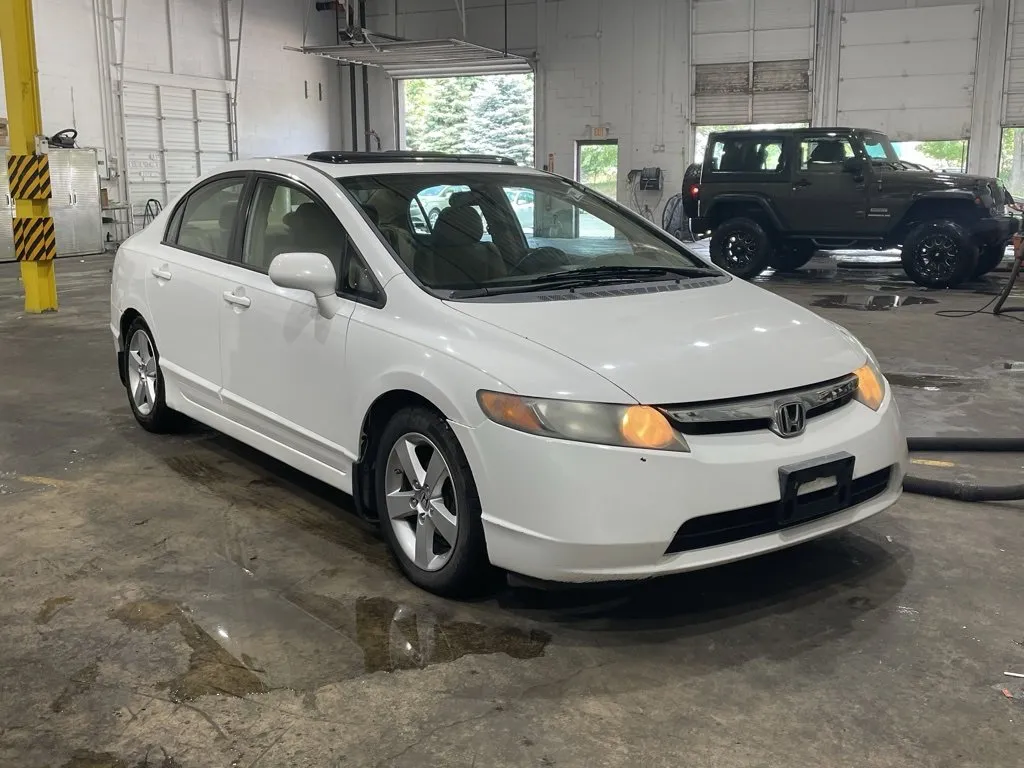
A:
[564,406]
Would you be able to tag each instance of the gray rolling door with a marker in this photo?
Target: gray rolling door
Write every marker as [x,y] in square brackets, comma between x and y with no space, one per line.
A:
[172,136]
[752,61]
[1013,98]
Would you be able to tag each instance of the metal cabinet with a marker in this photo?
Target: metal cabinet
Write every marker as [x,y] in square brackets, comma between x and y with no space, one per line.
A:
[6,212]
[74,206]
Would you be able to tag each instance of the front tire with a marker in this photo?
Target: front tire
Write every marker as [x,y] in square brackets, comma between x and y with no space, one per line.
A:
[939,254]
[989,257]
[144,381]
[429,506]
[741,247]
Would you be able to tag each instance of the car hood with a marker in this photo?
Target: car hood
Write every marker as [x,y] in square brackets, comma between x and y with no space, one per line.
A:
[710,343]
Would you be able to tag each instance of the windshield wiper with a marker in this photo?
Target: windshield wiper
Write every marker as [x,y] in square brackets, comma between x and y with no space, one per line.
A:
[580,278]
[610,272]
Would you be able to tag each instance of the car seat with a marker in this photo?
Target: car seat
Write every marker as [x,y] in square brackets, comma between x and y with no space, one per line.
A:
[457,256]
[827,152]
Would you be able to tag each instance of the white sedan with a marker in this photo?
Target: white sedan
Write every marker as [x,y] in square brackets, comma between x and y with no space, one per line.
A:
[566,406]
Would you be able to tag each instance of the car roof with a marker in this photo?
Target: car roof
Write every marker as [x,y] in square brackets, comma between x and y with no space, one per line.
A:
[372,167]
[776,131]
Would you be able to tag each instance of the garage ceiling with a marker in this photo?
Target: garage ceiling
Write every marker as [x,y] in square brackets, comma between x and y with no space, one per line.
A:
[909,72]
[424,58]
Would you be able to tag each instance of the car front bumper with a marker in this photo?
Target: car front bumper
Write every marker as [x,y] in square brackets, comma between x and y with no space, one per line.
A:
[562,511]
[997,229]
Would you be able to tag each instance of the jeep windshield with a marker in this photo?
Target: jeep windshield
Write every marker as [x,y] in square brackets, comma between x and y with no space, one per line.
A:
[880,149]
[501,233]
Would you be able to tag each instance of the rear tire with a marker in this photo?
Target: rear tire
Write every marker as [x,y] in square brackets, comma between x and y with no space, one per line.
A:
[741,247]
[428,505]
[989,257]
[144,381]
[789,257]
[939,254]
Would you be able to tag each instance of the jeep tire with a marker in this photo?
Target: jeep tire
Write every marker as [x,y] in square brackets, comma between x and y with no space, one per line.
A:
[741,247]
[939,254]
[989,257]
[790,256]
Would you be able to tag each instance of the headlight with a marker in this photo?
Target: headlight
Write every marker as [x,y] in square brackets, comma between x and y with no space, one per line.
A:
[629,426]
[870,385]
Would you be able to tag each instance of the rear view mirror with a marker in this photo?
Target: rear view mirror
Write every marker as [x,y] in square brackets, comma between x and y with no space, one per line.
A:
[311,272]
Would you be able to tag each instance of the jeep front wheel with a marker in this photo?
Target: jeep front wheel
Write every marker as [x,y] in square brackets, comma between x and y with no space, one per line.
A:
[789,257]
[741,247]
[939,254]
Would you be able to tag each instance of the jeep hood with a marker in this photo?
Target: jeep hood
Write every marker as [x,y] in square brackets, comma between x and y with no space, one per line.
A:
[710,343]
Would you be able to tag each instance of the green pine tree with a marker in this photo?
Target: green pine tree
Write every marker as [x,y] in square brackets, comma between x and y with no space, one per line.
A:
[500,118]
[447,107]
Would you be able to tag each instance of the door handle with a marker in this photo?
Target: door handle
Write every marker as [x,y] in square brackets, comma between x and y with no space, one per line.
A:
[238,301]
[801,183]
[162,273]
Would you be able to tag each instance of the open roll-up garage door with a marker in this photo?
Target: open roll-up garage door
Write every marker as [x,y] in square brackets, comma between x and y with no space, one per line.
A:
[1013,98]
[909,72]
[171,136]
[752,61]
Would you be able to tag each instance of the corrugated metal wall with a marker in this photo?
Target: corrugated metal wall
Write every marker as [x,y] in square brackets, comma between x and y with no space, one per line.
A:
[752,61]
[1013,97]
[172,135]
[909,72]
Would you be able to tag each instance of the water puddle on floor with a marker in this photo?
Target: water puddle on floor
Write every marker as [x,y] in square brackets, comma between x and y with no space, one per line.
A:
[928,382]
[874,303]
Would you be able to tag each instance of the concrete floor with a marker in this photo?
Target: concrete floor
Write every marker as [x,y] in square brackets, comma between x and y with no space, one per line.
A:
[182,602]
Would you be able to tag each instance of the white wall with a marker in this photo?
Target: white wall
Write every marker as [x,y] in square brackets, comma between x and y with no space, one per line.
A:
[274,114]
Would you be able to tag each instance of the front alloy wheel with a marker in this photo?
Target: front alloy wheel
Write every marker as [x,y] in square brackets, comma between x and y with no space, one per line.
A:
[428,504]
[939,254]
[421,503]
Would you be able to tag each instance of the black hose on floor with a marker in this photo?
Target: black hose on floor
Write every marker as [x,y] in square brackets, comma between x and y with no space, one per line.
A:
[958,489]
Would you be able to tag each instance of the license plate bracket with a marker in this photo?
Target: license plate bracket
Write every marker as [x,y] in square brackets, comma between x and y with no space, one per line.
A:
[795,508]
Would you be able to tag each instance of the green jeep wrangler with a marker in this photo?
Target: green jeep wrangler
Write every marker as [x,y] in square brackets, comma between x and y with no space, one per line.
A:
[773,198]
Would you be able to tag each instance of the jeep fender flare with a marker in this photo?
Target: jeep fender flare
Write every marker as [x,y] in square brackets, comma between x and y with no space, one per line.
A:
[940,197]
[731,198]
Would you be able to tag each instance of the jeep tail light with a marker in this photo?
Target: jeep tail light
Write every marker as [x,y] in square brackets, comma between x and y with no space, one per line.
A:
[694,191]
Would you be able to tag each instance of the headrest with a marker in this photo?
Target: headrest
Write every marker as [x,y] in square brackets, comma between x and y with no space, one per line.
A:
[461,199]
[458,226]
[828,152]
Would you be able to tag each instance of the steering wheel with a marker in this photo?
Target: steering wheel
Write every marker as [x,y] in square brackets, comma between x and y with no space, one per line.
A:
[64,138]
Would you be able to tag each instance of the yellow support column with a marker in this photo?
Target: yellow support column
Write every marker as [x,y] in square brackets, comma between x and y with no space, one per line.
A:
[34,241]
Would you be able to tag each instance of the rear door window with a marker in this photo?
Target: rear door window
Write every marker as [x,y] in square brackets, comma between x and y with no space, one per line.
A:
[208,218]
[748,154]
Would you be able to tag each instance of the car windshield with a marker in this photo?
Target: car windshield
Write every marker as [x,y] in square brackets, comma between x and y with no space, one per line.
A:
[506,233]
[879,148]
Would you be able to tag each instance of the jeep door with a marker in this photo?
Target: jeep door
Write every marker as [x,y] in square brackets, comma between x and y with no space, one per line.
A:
[825,198]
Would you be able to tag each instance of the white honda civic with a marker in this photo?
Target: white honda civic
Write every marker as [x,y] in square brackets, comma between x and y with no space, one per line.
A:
[573,398]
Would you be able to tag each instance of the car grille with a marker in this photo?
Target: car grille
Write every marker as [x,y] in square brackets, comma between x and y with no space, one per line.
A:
[746,523]
[754,413]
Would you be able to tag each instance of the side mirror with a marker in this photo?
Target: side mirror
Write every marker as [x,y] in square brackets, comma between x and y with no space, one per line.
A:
[854,165]
[311,272]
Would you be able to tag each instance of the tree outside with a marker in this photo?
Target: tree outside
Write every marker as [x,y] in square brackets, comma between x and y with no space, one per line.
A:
[599,167]
[1011,162]
[486,115]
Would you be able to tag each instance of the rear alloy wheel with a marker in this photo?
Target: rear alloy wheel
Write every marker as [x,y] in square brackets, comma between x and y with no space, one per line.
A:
[989,257]
[789,257]
[741,247]
[144,381]
[939,254]
[428,503]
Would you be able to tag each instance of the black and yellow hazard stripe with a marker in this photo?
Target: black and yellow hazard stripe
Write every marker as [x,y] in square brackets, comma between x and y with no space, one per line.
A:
[29,177]
[35,239]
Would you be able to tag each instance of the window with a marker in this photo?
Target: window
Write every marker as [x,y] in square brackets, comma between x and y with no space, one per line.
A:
[703,132]
[1011,162]
[208,218]
[824,153]
[537,225]
[285,219]
[747,154]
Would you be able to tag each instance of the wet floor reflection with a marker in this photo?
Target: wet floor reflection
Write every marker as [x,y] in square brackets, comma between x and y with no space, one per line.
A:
[929,382]
[874,303]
